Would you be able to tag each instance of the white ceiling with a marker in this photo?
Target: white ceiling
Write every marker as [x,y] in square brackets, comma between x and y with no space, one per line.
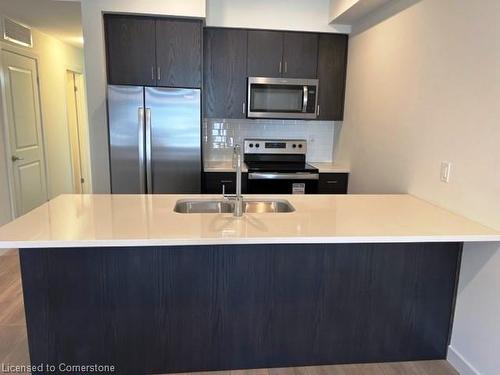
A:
[61,19]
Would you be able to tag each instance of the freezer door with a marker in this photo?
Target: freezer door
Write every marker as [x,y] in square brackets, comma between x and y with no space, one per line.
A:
[126,138]
[173,147]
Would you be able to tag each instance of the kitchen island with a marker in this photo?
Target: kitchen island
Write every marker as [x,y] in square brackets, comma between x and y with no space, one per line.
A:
[124,280]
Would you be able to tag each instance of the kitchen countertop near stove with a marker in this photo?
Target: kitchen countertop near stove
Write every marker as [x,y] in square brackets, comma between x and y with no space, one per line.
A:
[222,166]
[227,166]
[149,220]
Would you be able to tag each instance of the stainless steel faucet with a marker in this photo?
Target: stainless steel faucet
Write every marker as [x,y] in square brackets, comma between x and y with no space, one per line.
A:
[238,198]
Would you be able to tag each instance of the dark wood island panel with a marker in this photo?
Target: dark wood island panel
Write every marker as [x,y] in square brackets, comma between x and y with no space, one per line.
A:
[192,308]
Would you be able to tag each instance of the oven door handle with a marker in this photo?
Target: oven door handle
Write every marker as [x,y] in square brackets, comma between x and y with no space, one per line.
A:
[305,99]
[282,176]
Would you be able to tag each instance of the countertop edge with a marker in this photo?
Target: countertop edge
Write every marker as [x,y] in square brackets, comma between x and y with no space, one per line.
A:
[247,241]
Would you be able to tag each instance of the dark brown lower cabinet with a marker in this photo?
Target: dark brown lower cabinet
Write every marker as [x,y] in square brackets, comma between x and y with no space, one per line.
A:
[152,310]
[333,183]
[219,182]
[214,182]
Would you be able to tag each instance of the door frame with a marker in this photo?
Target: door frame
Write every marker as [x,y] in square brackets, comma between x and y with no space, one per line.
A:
[4,121]
[84,124]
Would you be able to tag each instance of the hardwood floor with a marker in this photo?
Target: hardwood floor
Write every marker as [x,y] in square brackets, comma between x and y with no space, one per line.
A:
[14,345]
[13,340]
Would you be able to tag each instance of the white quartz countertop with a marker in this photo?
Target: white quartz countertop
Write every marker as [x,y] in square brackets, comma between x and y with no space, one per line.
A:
[221,166]
[227,166]
[149,220]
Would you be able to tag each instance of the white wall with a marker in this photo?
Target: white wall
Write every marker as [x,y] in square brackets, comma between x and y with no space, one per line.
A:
[95,65]
[337,7]
[311,15]
[54,59]
[423,86]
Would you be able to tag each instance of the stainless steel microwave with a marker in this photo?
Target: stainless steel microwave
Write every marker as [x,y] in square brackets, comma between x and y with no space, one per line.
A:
[287,98]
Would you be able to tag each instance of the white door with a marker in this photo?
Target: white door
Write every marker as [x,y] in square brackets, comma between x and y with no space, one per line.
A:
[25,131]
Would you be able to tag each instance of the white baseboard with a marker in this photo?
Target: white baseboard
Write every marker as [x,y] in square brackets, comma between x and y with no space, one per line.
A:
[460,363]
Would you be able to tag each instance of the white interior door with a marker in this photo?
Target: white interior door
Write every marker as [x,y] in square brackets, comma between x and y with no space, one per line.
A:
[25,131]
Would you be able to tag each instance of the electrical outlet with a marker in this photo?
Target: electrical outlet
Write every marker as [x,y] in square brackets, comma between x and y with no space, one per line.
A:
[445,171]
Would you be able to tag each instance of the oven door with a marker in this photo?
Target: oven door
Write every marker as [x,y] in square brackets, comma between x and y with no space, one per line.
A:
[282,98]
[282,183]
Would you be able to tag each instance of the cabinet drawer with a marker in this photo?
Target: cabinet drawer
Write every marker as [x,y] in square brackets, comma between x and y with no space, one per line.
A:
[333,183]
[215,182]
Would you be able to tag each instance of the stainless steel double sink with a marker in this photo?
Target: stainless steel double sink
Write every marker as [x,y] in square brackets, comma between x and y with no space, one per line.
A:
[215,206]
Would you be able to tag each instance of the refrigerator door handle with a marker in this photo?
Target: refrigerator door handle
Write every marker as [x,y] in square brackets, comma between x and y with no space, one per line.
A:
[140,130]
[149,173]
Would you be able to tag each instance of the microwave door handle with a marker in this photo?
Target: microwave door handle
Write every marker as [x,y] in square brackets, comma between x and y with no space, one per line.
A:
[304,99]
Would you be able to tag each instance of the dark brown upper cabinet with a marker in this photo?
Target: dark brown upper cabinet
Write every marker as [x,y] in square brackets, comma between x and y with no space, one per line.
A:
[332,66]
[265,53]
[300,55]
[225,72]
[131,52]
[153,51]
[282,54]
[178,53]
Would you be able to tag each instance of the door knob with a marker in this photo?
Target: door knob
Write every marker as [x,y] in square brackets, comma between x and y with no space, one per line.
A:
[16,158]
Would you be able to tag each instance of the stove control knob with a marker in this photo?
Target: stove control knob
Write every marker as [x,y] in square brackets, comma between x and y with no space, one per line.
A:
[300,146]
[251,145]
[257,145]
[294,145]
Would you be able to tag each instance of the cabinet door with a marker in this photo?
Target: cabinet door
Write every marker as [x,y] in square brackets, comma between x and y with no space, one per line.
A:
[300,55]
[216,183]
[332,66]
[225,71]
[333,183]
[130,48]
[265,52]
[178,53]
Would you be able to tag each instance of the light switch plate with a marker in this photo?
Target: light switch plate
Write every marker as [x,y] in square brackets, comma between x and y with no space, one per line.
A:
[445,171]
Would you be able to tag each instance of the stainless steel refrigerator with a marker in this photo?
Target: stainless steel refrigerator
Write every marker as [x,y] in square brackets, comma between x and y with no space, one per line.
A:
[155,139]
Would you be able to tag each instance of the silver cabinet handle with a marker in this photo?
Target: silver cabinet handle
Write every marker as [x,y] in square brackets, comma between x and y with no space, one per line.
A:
[317,111]
[16,158]
[243,108]
[152,73]
[282,176]
[305,98]
[224,186]
[286,66]
[280,67]
[159,73]
[149,176]
[140,133]
[332,182]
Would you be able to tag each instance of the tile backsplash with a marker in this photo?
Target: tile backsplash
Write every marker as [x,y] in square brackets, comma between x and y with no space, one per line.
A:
[220,135]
